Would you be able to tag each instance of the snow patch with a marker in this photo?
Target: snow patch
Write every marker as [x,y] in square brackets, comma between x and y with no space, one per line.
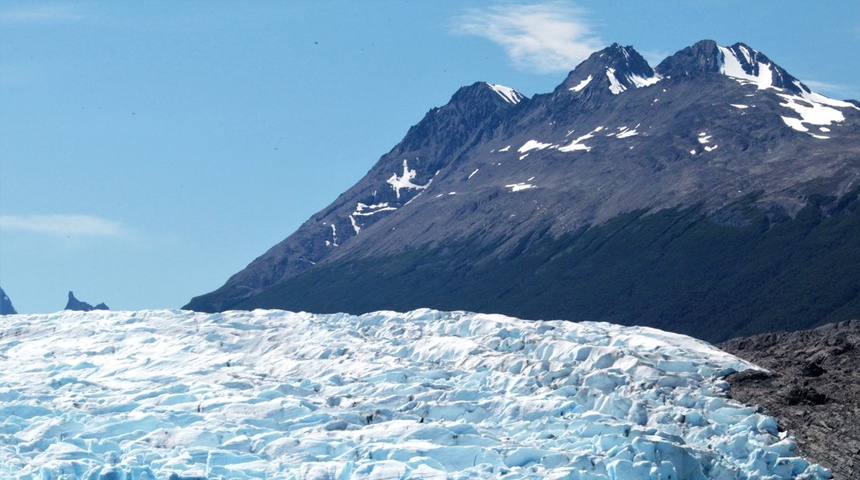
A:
[813,109]
[641,82]
[581,84]
[627,133]
[614,85]
[405,180]
[533,145]
[732,67]
[577,144]
[505,149]
[473,174]
[333,236]
[741,106]
[516,187]
[507,93]
[364,210]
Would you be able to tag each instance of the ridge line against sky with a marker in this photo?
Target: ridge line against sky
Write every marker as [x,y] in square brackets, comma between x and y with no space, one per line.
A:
[148,151]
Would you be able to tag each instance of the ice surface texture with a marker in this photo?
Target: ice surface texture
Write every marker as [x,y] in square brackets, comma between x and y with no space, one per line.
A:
[426,394]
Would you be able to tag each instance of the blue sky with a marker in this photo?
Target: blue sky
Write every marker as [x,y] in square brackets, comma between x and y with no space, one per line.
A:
[149,150]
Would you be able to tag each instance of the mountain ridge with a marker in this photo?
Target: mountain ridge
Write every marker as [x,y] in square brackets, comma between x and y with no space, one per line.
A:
[710,127]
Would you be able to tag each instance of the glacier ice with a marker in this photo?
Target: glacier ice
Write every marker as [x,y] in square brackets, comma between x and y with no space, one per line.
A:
[424,394]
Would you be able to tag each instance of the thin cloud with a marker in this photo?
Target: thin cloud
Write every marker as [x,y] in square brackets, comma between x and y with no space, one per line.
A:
[541,38]
[40,13]
[61,225]
[844,91]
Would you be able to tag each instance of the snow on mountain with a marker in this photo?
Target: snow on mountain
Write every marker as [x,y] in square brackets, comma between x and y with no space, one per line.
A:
[579,86]
[405,180]
[744,66]
[749,66]
[425,394]
[507,93]
[616,68]
[616,86]
[813,109]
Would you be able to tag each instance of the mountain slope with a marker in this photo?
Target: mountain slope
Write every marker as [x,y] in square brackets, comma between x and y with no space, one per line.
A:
[494,198]
[420,395]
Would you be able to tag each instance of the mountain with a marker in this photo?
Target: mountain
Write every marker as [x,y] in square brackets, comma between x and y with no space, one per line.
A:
[6,307]
[77,305]
[416,395]
[714,195]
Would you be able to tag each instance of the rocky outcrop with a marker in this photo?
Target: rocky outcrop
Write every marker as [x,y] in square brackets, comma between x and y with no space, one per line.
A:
[75,304]
[812,387]
[6,307]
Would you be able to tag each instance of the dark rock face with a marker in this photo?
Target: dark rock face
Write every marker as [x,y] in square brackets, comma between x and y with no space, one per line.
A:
[75,304]
[812,388]
[703,57]
[6,307]
[694,197]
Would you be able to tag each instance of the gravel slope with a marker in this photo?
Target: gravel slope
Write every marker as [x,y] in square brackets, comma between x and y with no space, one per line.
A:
[813,389]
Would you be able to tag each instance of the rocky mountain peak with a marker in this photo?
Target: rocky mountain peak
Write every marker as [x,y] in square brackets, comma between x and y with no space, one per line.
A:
[486,93]
[614,69]
[6,307]
[474,108]
[738,61]
[494,202]
[702,57]
[482,95]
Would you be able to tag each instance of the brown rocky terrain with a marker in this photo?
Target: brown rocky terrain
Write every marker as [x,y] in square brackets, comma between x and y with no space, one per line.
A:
[812,388]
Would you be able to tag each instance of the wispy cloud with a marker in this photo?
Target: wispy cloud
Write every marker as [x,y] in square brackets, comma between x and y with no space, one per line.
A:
[842,91]
[41,13]
[541,38]
[62,225]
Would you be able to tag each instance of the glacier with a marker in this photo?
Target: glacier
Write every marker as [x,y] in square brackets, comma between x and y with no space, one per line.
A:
[173,394]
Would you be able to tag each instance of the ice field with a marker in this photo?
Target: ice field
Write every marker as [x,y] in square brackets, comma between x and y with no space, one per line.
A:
[425,394]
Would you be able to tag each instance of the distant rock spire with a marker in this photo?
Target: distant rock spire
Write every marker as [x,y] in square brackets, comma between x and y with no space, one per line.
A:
[6,307]
[75,304]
